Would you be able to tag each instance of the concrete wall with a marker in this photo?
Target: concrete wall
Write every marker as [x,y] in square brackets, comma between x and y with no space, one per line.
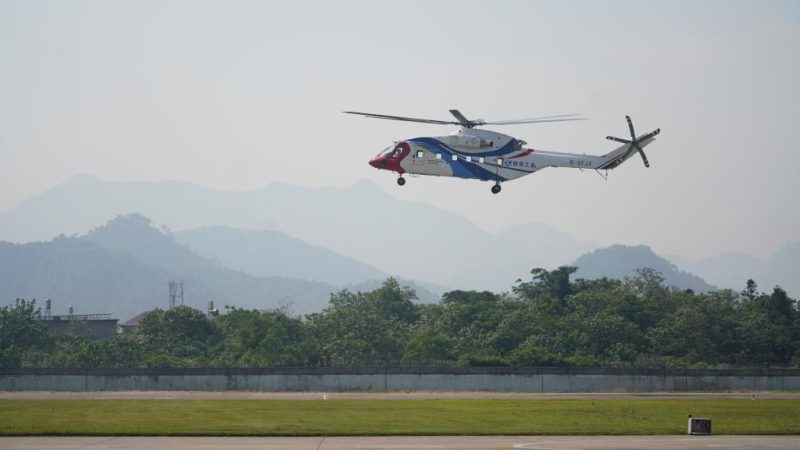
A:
[445,379]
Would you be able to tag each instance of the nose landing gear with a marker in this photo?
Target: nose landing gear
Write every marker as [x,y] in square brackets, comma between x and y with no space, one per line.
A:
[496,188]
[401,181]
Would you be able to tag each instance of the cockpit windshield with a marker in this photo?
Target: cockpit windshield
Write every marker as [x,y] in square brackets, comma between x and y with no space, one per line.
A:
[395,151]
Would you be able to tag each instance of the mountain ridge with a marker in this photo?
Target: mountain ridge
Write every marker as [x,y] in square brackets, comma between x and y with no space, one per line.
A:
[267,252]
[129,259]
[360,221]
[123,267]
[413,240]
[620,261]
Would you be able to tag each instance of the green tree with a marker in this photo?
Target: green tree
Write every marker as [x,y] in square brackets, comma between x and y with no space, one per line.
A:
[470,320]
[394,302]
[553,284]
[750,290]
[22,334]
[427,344]
[178,336]
[75,348]
[254,338]
[121,351]
[768,328]
[364,328]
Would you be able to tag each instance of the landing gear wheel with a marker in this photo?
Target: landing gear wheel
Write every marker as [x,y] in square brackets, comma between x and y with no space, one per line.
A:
[496,188]
[401,181]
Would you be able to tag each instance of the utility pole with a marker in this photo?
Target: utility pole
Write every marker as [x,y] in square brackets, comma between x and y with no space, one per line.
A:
[175,293]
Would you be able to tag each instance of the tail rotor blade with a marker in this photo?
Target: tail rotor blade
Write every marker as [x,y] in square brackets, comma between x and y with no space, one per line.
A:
[616,139]
[635,143]
[630,127]
[650,135]
[644,157]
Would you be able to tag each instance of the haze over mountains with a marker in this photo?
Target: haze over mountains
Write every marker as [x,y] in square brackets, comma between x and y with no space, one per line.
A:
[279,243]
[415,240]
[273,253]
[730,269]
[124,266]
[620,261]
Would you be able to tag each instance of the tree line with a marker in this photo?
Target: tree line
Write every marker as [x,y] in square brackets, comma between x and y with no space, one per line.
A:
[548,320]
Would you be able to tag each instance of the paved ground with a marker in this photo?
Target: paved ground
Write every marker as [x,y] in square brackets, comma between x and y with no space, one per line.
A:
[204,395]
[399,443]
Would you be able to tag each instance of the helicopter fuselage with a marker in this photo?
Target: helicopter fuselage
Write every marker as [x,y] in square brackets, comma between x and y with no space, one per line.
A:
[480,154]
[490,156]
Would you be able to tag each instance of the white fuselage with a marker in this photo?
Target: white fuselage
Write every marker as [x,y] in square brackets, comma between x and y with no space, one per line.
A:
[485,155]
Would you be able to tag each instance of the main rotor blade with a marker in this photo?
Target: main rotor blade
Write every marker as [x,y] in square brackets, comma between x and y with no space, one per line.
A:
[461,119]
[405,119]
[560,118]
[630,127]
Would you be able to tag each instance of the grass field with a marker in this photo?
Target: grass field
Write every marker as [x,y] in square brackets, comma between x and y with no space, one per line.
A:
[394,417]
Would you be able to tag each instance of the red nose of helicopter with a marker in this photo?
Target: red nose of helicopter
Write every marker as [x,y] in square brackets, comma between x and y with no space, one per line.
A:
[378,162]
[391,157]
[374,162]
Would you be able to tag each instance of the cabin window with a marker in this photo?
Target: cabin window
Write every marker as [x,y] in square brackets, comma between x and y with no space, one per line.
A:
[481,160]
[468,158]
[420,153]
[454,158]
[499,161]
[438,156]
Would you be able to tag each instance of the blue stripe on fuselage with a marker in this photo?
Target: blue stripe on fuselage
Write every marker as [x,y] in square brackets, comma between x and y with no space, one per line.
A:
[461,168]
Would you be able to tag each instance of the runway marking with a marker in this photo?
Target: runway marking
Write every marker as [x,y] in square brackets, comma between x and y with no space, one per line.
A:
[230,446]
[537,444]
[399,446]
[60,446]
[45,446]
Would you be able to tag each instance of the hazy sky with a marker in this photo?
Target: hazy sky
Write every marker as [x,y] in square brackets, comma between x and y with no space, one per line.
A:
[235,95]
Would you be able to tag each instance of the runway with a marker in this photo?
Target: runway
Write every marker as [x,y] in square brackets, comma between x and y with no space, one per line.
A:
[405,442]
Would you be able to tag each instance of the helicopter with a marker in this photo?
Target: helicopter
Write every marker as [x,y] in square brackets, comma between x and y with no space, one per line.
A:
[473,153]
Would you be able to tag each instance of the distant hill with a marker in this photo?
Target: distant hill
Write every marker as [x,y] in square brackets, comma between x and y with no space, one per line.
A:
[348,233]
[729,270]
[80,273]
[124,266]
[620,261]
[782,268]
[135,236]
[274,253]
[415,240]
[732,270]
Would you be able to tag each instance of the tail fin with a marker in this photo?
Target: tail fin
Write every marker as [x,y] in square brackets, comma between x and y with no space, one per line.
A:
[636,144]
